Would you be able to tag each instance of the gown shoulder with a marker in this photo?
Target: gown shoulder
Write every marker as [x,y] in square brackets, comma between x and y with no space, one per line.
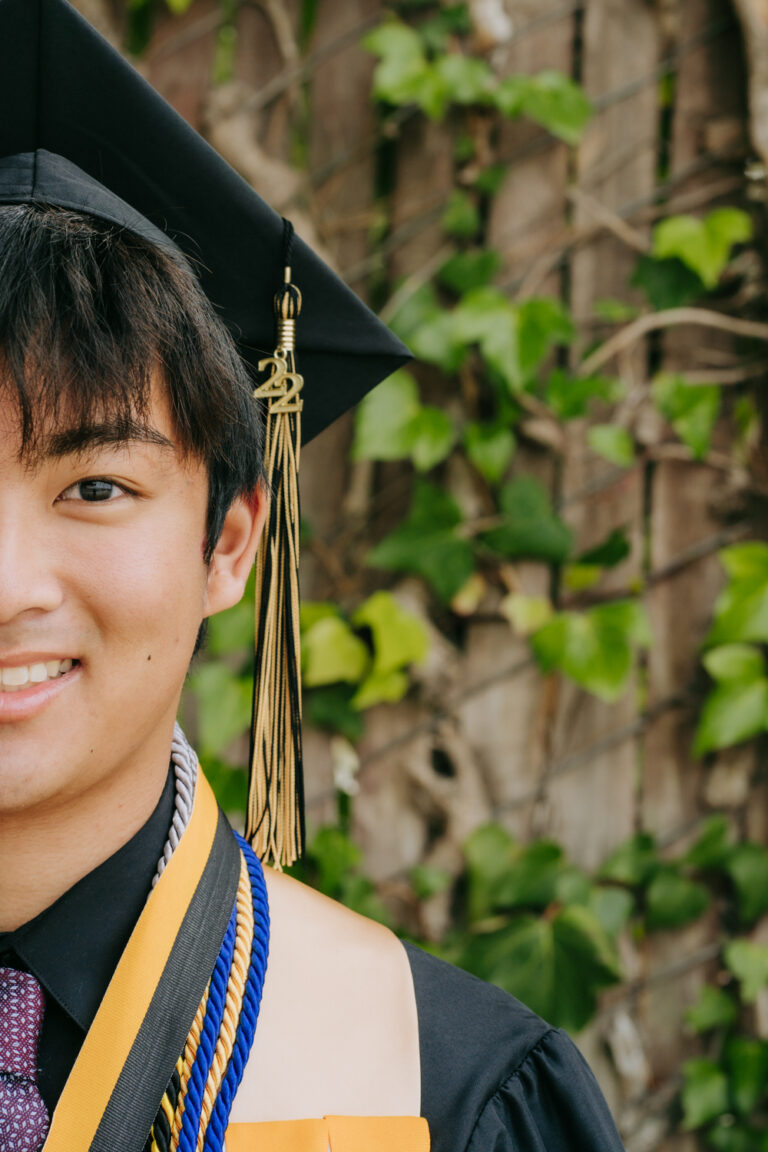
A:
[496,1076]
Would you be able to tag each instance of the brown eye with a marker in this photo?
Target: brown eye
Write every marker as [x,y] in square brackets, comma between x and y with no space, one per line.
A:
[93,490]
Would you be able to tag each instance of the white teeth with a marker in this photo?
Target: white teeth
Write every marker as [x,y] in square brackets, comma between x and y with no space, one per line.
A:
[15,678]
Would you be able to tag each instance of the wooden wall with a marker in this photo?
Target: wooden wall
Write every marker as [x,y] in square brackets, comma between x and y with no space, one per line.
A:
[489,737]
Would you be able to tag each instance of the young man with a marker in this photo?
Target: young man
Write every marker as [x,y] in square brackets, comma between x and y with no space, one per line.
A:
[157,988]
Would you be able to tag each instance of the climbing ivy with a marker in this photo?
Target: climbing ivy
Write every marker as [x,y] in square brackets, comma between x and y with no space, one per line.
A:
[512,371]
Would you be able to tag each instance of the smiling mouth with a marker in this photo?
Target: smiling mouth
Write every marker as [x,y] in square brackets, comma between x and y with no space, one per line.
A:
[20,676]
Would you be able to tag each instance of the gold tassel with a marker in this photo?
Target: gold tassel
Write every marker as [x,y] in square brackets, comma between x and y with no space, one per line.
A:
[275,821]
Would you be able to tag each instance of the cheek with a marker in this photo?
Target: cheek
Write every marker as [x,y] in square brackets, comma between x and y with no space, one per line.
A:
[144,591]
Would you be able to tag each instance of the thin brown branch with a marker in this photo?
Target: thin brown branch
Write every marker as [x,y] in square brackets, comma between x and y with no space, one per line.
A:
[671,318]
[608,219]
[724,376]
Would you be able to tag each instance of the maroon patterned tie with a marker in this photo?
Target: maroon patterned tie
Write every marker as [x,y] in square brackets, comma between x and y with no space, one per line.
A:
[23,1116]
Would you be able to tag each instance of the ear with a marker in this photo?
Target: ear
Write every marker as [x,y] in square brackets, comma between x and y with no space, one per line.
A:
[235,551]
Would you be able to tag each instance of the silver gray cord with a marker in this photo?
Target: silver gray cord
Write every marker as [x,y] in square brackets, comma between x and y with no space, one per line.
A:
[185,769]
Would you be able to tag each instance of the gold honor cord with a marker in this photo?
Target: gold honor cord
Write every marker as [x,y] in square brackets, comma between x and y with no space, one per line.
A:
[275,794]
[118,1021]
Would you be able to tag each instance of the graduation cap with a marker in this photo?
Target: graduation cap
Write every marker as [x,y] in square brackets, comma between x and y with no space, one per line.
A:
[82,130]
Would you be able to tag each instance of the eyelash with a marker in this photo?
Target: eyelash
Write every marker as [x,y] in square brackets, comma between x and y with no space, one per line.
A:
[122,489]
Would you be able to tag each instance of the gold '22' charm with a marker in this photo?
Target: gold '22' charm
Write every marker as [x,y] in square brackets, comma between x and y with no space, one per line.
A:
[282,388]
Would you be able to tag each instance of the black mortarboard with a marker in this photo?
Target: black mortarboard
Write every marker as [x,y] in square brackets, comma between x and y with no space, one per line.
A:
[81,129]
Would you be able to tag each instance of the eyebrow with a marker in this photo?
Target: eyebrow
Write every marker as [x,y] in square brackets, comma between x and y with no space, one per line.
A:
[83,438]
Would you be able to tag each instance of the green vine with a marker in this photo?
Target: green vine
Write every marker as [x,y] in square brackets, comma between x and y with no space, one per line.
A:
[512,372]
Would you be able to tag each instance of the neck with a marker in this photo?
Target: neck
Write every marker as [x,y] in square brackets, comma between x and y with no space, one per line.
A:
[45,851]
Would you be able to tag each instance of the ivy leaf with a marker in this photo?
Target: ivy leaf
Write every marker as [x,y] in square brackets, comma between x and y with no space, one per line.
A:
[612,907]
[330,708]
[747,866]
[229,784]
[402,63]
[666,283]
[673,900]
[713,1009]
[615,311]
[613,443]
[609,552]
[419,308]
[232,630]
[691,409]
[224,707]
[746,1060]
[705,1092]
[428,881]
[746,564]
[380,688]
[490,179]
[703,245]
[741,609]
[428,543]
[399,638]
[461,217]
[490,448]
[529,528]
[332,855]
[749,964]
[438,342]
[729,1136]
[555,965]
[384,419]
[452,20]
[433,435]
[594,648]
[489,852]
[740,663]
[712,847]
[310,611]
[633,862]
[526,614]
[569,396]
[468,79]
[531,879]
[549,98]
[331,652]
[732,712]
[473,269]
[543,324]
[487,318]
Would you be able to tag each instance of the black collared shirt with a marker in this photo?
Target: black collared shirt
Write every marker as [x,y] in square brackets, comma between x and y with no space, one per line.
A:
[73,947]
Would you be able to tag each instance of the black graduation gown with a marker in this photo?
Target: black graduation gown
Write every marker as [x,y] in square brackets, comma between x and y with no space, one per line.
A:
[495,1077]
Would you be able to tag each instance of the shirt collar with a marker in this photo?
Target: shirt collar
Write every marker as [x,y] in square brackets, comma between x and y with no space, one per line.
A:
[73,947]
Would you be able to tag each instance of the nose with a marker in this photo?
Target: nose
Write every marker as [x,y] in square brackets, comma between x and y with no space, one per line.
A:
[29,584]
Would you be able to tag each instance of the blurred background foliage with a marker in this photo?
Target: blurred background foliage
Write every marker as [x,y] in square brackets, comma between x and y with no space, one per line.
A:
[502,378]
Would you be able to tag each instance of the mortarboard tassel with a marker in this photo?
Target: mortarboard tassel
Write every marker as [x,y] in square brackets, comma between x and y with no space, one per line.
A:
[275,820]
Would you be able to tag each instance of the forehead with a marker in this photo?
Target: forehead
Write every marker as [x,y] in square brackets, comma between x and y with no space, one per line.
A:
[64,425]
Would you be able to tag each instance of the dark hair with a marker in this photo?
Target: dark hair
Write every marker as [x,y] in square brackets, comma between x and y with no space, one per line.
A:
[88,311]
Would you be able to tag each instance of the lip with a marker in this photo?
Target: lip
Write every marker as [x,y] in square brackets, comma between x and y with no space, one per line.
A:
[14,659]
[29,701]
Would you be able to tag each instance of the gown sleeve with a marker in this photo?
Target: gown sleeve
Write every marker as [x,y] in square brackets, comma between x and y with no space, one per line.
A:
[550,1103]
[495,1077]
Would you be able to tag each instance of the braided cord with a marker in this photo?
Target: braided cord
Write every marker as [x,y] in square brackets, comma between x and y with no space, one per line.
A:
[251,1001]
[217,990]
[195,1108]
[233,1003]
